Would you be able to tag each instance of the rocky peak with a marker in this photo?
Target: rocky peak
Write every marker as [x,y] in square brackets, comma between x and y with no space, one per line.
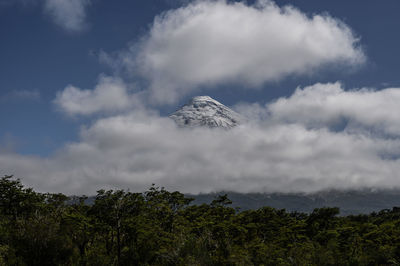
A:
[205,111]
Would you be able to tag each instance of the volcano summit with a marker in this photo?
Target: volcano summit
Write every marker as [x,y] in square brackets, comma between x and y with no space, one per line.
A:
[205,111]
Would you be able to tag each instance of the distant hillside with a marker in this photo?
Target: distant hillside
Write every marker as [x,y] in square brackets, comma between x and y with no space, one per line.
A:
[349,202]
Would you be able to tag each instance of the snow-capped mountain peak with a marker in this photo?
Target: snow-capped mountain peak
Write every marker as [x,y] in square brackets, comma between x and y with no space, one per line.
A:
[205,111]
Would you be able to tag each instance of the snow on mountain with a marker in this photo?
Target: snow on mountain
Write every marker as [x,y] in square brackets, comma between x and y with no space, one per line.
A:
[205,111]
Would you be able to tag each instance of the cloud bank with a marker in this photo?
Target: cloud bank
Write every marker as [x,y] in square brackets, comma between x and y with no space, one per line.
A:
[329,105]
[68,14]
[208,43]
[289,145]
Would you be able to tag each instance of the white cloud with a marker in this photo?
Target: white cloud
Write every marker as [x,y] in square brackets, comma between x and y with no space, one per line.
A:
[280,153]
[110,95]
[68,14]
[208,43]
[329,105]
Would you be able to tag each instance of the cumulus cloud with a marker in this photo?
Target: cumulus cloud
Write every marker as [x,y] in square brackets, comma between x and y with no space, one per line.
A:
[329,105]
[110,95]
[284,151]
[68,14]
[208,43]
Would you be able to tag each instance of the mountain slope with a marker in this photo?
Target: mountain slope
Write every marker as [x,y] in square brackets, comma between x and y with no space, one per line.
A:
[205,111]
[350,202]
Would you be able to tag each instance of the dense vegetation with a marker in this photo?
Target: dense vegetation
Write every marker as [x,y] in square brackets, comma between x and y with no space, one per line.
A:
[158,227]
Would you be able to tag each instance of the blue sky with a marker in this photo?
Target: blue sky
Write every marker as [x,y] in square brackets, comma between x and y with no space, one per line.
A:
[46,46]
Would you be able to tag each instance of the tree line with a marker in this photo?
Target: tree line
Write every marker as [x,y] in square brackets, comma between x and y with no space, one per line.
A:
[158,227]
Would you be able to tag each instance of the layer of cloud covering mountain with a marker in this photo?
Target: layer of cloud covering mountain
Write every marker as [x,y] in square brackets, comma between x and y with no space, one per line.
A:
[271,152]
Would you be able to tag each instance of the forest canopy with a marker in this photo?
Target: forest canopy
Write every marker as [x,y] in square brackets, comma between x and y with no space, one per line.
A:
[159,227]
